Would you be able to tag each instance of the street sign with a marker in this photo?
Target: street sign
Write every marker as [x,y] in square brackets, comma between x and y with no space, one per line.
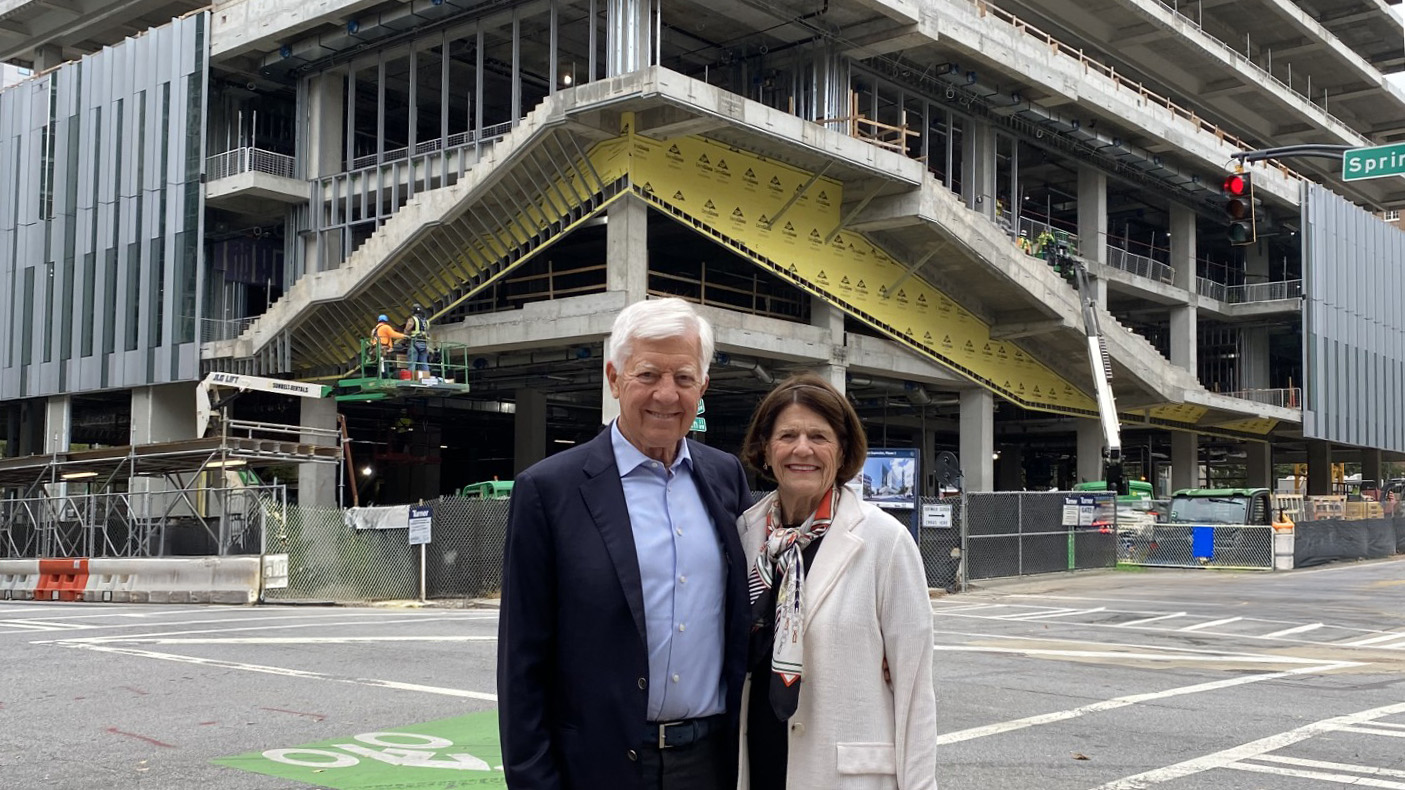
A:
[699,425]
[421,524]
[1379,161]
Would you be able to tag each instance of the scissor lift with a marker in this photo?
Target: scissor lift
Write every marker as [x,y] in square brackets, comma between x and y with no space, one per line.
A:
[380,376]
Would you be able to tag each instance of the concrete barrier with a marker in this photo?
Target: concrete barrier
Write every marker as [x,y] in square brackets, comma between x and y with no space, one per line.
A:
[18,578]
[62,579]
[233,580]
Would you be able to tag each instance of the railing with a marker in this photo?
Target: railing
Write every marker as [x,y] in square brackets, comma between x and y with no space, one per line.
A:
[456,140]
[1265,292]
[1209,288]
[1140,265]
[243,160]
[1284,397]
[1265,73]
[212,329]
[984,8]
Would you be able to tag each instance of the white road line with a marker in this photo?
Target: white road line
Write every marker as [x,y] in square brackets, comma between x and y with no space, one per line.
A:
[133,637]
[1373,731]
[1289,631]
[1394,645]
[1214,659]
[292,673]
[435,614]
[1303,763]
[1388,725]
[312,640]
[1210,624]
[1054,640]
[1373,640]
[1132,699]
[1253,749]
[1296,773]
[971,608]
[1064,613]
[1146,620]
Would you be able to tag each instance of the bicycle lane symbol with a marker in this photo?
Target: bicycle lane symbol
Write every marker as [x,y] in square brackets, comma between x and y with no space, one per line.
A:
[450,753]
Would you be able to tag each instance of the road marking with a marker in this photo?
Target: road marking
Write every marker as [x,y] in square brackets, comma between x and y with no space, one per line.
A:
[1336,778]
[1228,658]
[1360,769]
[1210,624]
[1373,640]
[285,672]
[128,638]
[1062,613]
[1253,749]
[1373,731]
[1149,620]
[304,640]
[969,608]
[1289,631]
[1132,699]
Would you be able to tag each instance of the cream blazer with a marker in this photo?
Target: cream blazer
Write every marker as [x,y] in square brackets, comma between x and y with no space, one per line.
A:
[865,598]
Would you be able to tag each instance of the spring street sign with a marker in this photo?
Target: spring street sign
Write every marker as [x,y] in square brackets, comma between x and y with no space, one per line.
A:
[1359,164]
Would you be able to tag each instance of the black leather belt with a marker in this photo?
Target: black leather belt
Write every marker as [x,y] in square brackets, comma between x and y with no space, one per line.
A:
[673,734]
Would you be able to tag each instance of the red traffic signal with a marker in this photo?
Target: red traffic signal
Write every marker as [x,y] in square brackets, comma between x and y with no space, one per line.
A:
[1238,189]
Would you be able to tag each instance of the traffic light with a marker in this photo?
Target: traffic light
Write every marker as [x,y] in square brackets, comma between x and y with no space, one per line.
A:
[1239,208]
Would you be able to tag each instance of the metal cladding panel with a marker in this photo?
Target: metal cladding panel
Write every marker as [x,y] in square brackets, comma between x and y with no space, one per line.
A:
[99,163]
[1353,324]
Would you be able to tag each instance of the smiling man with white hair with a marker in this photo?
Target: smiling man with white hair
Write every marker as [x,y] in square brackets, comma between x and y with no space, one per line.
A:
[624,623]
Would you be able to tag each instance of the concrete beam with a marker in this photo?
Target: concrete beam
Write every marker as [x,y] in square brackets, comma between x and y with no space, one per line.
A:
[1017,329]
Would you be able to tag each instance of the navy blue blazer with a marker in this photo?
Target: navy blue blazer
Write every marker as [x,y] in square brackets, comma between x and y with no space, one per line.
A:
[573,662]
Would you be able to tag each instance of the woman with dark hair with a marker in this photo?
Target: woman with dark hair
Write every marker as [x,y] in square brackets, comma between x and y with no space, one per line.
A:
[840,693]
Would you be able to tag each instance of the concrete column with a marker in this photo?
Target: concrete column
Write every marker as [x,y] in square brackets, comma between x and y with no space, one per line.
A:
[1256,263]
[1011,468]
[1319,467]
[1253,358]
[825,315]
[46,56]
[978,168]
[58,424]
[325,145]
[1259,465]
[1092,216]
[609,407]
[1090,450]
[1371,464]
[1183,246]
[1185,460]
[627,248]
[529,429]
[977,440]
[629,39]
[1184,335]
[317,483]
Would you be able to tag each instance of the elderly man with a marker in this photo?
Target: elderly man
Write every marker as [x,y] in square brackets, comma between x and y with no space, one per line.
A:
[624,621]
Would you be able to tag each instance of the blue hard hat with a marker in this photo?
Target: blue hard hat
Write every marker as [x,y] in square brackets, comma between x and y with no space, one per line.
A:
[383,317]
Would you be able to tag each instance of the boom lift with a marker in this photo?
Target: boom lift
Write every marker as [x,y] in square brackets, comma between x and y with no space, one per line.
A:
[1102,377]
[206,404]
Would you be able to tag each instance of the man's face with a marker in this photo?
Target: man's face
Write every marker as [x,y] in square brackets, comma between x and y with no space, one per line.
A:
[658,388]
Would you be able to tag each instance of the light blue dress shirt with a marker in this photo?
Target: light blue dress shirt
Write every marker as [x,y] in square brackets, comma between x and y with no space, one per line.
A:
[683,575]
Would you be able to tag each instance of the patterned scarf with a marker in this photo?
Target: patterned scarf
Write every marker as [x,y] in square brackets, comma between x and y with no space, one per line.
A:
[782,555]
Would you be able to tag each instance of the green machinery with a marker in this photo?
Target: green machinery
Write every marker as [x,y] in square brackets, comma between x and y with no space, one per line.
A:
[380,376]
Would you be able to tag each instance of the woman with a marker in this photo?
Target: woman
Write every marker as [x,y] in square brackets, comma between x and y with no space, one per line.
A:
[840,693]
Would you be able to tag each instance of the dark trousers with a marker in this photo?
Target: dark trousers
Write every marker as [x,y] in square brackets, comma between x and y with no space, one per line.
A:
[698,766]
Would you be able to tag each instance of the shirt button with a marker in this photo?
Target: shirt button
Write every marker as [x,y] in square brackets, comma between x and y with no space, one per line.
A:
[798,727]
[675,678]
[682,579]
[679,530]
[682,627]
[643,683]
[633,755]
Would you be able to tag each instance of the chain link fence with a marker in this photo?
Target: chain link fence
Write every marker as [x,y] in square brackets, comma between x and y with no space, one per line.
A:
[1023,532]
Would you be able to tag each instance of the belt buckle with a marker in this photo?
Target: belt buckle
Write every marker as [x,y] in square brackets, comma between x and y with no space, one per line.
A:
[663,738]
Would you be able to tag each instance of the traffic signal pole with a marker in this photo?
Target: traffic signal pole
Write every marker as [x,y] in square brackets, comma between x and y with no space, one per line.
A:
[1293,151]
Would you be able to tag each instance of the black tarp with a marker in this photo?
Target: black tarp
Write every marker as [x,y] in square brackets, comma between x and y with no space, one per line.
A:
[1319,542]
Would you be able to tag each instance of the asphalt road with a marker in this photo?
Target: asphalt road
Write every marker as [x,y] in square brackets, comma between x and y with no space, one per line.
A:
[1099,681]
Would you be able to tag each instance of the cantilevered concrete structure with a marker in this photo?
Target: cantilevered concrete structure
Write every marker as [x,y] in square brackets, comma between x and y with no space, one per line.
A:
[841,187]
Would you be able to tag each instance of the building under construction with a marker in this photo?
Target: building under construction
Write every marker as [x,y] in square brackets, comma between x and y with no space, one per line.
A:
[867,188]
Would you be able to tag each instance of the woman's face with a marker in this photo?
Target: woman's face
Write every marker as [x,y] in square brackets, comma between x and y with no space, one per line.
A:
[803,452]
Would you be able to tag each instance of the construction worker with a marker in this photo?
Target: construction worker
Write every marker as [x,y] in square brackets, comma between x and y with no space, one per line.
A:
[417,327]
[1045,248]
[385,336]
[1026,246]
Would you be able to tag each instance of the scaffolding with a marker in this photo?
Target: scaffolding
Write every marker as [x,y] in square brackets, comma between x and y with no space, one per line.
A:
[181,498]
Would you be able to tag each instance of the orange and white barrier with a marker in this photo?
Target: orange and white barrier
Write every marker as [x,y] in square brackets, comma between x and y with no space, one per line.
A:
[62,579]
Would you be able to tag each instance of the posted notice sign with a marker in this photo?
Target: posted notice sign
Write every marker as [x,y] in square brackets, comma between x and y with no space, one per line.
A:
[421,520]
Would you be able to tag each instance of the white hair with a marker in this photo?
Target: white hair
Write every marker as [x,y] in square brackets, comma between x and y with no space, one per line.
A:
[660,319]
